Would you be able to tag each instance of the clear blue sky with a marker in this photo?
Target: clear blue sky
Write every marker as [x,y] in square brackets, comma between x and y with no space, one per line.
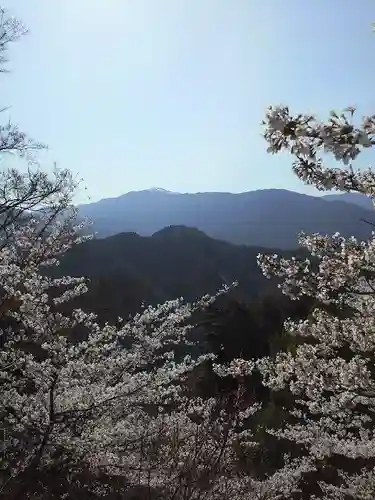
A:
[132,94]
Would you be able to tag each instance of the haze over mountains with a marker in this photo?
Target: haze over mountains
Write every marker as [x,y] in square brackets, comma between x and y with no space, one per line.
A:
[269,218]
[355,198]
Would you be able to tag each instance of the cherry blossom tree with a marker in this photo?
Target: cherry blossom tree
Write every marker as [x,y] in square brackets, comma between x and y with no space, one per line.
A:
[331,373]
[94,401]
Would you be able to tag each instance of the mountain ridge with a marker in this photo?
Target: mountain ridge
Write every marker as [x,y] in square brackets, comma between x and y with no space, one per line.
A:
[269,218]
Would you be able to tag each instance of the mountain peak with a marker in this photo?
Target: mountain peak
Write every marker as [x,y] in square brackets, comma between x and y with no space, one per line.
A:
[180,230]
[159,190]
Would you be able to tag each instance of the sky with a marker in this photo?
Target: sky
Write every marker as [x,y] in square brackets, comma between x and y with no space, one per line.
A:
[134,94]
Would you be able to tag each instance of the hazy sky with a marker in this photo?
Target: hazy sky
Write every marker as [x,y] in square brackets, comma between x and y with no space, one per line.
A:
[132,94]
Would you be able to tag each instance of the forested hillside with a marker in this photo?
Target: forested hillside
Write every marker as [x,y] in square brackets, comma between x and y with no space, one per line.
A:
[127,270]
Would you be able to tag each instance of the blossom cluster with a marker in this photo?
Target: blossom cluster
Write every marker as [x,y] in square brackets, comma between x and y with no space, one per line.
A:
[329,371]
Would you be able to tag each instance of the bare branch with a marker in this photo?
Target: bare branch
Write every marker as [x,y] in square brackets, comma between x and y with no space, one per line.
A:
[11,30]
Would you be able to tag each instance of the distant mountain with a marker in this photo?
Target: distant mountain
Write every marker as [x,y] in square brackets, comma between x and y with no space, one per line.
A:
[127,269]
[355,198]
[269,218]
